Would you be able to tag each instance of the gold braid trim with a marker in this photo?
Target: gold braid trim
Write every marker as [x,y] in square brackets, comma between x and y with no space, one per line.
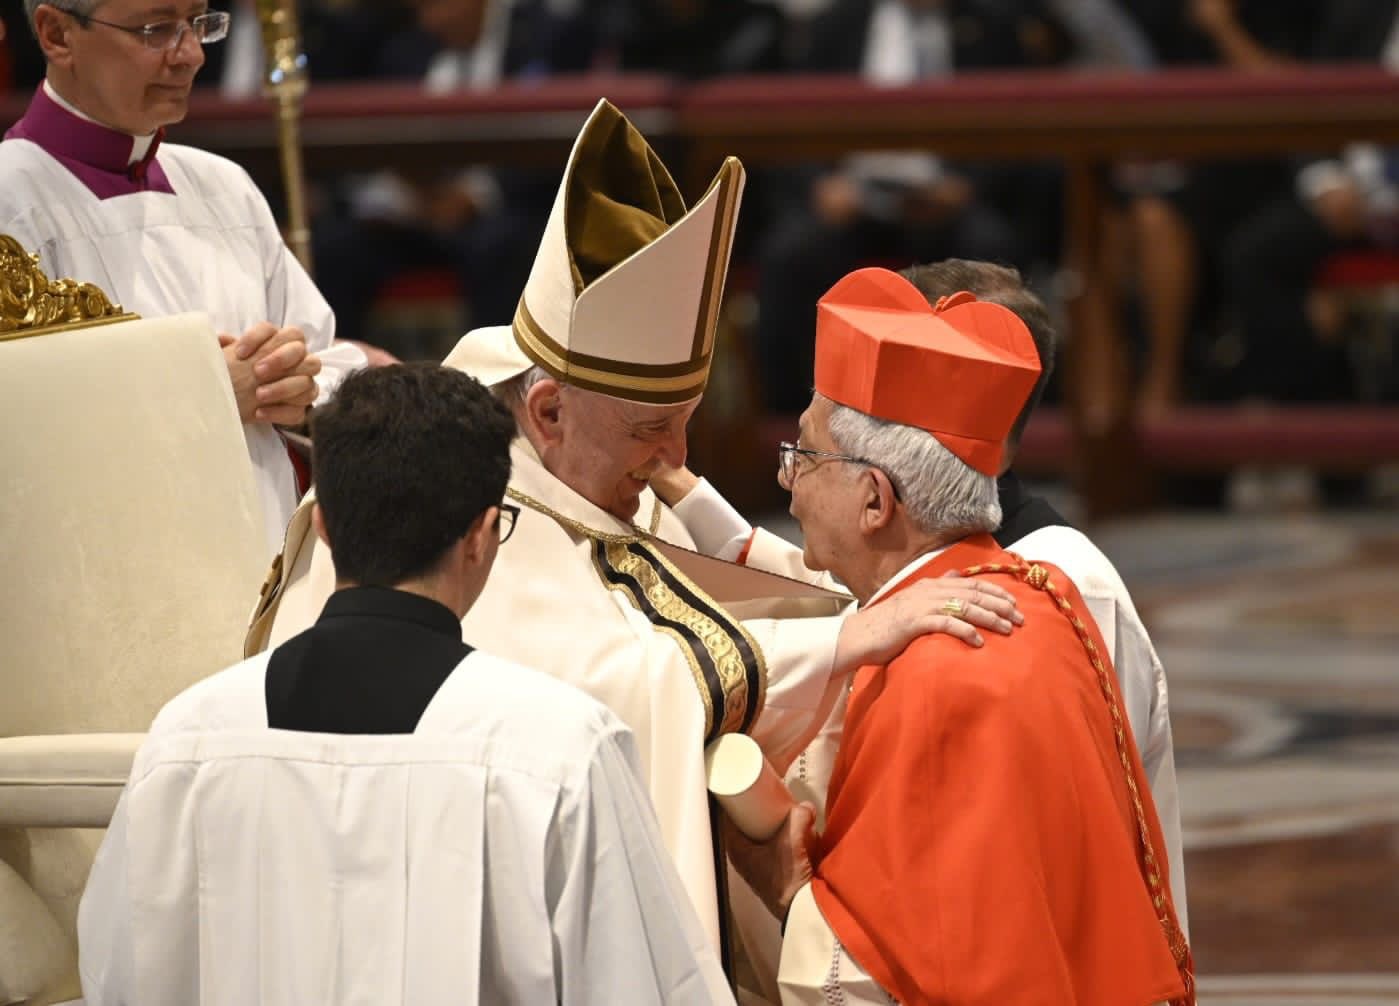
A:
[578,526]
[1038,578]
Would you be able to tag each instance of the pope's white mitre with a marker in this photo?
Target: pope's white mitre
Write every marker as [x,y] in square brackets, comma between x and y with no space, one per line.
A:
[625,290]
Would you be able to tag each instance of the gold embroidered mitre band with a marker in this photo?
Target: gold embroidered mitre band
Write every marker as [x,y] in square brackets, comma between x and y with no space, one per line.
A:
[624,294]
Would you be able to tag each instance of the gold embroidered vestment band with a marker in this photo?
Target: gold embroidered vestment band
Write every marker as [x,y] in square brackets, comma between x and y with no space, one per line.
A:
[729,671]
[726,663]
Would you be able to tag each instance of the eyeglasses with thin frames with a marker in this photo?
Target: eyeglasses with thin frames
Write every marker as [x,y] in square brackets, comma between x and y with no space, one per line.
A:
[505,521]
[162,35]
[787,463]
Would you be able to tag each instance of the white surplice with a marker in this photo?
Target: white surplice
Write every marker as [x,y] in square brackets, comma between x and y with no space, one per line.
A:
[547,606]
[210,246]
[504,853]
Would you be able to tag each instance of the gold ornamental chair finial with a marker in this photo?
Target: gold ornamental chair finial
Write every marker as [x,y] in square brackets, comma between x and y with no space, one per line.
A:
[33,304]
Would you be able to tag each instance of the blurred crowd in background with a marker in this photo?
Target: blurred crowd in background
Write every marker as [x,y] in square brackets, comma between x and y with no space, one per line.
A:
[1216,264]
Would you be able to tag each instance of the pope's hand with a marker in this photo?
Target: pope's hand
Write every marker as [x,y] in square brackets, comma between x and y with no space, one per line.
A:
[673,484]
[878,634]
[778,868]
[281,371]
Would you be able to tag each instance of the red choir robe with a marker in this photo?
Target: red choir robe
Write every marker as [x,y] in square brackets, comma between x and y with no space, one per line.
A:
[982,843]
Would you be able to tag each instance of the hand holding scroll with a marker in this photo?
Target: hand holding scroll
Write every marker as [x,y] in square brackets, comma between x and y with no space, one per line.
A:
[778,868]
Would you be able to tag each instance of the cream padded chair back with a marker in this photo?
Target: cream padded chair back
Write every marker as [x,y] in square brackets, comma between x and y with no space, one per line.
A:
[130,545]
[130,531]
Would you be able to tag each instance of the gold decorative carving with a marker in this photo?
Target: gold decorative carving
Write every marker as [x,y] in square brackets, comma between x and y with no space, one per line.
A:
[33,304]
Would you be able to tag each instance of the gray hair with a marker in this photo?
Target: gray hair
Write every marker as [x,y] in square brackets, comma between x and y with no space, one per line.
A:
[943,494]
[82,8]
[514,391]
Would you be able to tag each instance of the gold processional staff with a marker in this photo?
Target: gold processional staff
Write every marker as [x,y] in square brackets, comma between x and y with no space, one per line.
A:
[285,83]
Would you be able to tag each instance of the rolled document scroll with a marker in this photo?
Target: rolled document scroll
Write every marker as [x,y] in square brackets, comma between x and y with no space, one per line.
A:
[746,786]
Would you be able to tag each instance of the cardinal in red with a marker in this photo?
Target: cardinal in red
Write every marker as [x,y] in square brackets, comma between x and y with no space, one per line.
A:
[990,837]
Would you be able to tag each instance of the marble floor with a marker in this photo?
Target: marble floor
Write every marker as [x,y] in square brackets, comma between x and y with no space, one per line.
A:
[1280,638]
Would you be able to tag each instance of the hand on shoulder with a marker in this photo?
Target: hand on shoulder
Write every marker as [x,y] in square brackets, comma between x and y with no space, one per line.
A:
[949,604]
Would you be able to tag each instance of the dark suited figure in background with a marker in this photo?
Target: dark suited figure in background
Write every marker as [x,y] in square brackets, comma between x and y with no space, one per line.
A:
[696,39]
[1180,216]
[341,40]
[483,223]
[905,206]
[1291,338]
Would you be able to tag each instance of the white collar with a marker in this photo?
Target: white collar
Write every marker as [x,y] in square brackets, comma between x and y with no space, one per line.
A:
[139,144]
[912,567]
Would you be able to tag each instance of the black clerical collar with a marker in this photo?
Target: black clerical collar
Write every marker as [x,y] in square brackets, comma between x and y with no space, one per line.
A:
[1022,513]
[371,664]
[98,156]
[385,602]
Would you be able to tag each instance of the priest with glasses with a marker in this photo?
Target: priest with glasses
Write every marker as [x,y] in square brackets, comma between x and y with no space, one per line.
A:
[86,182]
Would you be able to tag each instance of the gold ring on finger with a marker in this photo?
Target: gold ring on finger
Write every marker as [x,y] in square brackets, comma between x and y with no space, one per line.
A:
[953,606]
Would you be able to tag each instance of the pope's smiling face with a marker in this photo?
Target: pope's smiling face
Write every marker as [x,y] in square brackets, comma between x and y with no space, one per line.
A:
[608,449]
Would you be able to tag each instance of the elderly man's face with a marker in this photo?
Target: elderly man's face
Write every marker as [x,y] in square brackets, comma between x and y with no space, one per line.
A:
[611,448]
[824,495]
[117,79]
